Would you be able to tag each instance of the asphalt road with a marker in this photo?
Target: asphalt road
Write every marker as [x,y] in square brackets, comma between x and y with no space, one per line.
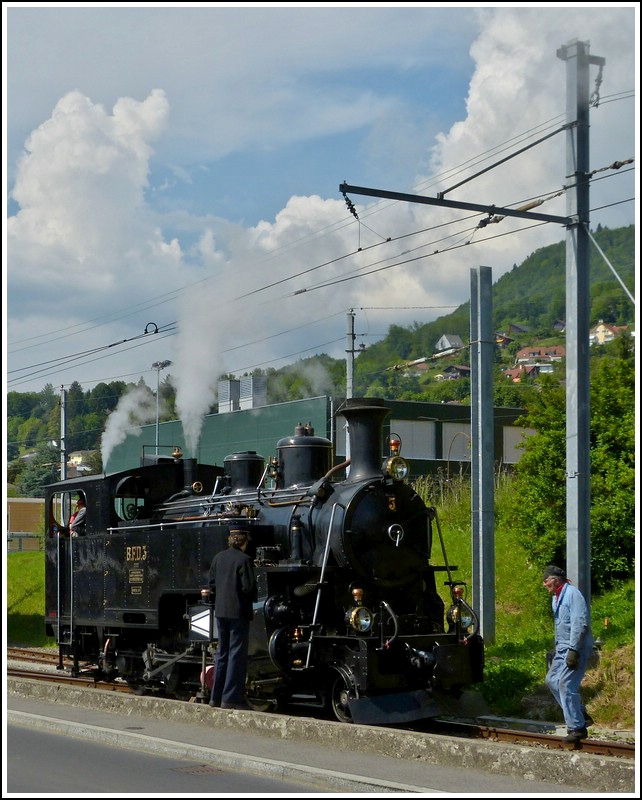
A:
[48,763]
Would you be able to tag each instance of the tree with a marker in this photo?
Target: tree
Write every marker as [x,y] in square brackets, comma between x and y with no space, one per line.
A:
[30,433]
[41,469]
[539,509]
[95,462]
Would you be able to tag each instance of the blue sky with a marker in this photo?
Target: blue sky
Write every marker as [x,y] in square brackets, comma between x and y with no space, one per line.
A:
[177,167]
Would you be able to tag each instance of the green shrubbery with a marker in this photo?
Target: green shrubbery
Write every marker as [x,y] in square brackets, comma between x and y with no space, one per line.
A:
[516,661]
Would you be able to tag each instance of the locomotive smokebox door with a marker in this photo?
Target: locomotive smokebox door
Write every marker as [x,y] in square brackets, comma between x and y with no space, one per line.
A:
[202,624]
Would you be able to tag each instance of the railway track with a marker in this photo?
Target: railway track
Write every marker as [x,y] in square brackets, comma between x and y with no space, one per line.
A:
[47,669]
[619,749]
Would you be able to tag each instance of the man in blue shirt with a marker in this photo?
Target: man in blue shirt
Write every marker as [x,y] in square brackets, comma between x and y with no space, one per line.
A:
[573,648]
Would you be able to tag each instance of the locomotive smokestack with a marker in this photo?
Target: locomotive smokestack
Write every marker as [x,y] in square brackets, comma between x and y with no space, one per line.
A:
[365,418]
[189,472]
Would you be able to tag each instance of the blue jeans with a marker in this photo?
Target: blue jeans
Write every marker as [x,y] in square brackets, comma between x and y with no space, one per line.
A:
[564,685]
[231,661]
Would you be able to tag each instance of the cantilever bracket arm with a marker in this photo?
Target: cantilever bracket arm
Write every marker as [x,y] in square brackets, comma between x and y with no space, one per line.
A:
[346,188]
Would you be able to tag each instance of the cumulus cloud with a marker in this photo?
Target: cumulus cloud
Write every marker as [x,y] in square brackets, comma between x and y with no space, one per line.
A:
[83,227]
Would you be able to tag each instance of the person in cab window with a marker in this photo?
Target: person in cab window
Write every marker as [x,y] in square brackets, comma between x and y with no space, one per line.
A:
[78,520]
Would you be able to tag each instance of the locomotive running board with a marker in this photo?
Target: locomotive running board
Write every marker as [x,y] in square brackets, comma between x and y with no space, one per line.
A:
[393,708]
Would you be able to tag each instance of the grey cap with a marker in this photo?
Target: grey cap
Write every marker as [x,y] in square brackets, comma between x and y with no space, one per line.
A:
[553,572]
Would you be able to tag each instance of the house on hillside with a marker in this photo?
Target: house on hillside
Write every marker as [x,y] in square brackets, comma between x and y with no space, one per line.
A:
[454,372]
[448,343]
[603,332]
[502,340]
[549,354]
[523,371]
[516,329]
[77,463]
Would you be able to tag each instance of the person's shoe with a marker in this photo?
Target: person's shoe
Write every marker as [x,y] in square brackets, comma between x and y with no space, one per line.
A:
[214,704]
[243,706]
[588,720]
[576,735]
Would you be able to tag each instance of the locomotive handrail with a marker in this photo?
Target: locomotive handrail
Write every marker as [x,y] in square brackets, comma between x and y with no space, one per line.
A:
[296,502]
[263,477]
[443,546]
[317,603]
[168,523]
[395,621]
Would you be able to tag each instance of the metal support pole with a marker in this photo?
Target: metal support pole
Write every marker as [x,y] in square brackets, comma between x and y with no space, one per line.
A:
[483,449]
[578,512]
[158,366]
[350,358]
[63,433]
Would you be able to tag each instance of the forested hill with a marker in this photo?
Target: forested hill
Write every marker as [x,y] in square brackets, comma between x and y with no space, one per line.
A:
[531,295]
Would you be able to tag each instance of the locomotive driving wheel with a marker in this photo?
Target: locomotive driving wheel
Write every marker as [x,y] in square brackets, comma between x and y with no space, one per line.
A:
[261,704]
[341,691]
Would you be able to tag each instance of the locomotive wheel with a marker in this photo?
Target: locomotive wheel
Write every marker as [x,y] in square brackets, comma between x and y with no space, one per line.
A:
[260,704]
[340,692]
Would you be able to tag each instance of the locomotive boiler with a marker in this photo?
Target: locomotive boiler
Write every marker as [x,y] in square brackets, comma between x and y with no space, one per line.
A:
[348,617]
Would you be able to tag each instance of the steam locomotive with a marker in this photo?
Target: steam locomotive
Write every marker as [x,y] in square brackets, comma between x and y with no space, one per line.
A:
[348,617]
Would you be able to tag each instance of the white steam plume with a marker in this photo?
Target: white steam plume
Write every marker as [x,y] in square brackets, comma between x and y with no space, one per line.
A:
[135,408]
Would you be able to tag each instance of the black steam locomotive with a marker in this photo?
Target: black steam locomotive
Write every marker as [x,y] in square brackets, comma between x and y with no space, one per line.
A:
[348,614]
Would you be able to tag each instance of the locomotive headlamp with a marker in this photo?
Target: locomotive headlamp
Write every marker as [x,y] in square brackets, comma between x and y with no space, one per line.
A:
[359,619]
[459,613]
[397,468]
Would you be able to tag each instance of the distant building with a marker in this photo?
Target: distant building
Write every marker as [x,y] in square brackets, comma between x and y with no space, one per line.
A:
[250,391]
[603,332]
[540,355]
[456,371]
[449,343]
[78,463]
[25,522]
[433,434]
[518,374]
[502,340]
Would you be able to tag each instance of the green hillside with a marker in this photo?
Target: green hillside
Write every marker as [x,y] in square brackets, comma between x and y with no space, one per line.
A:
[532,295]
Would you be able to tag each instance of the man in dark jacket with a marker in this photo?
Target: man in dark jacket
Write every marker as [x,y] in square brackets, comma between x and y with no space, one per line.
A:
[232,590]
